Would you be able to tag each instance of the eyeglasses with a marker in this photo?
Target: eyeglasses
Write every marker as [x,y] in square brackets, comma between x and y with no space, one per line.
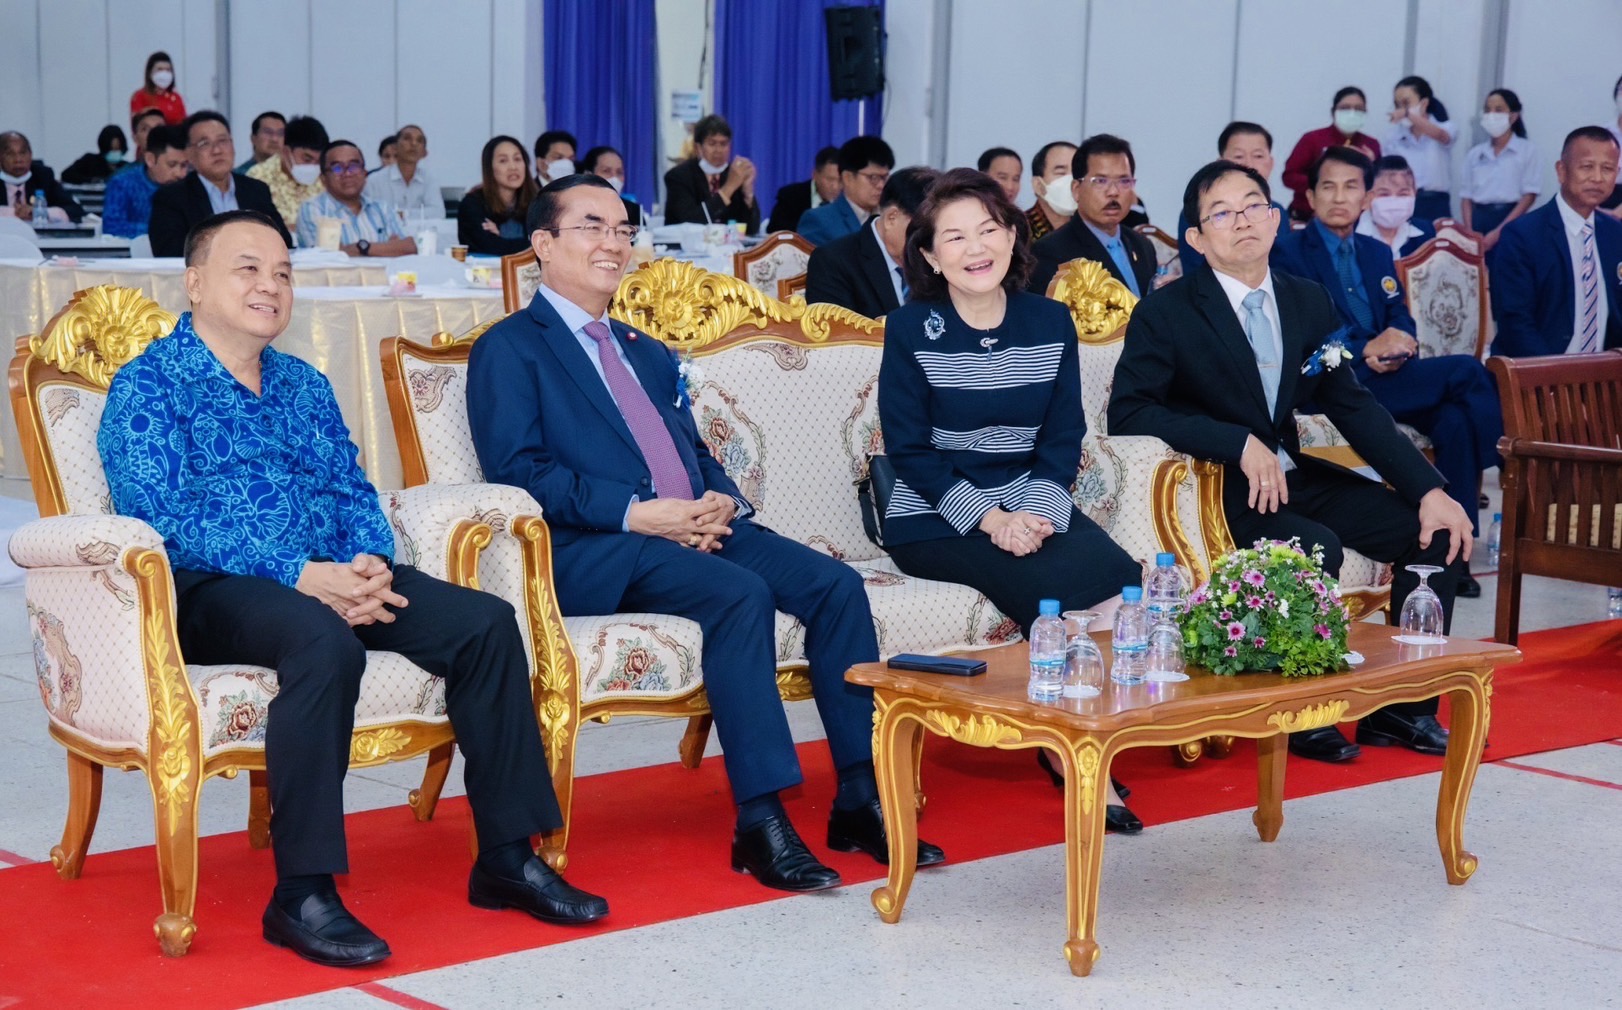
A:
[1222,220]
[217,144]
[1106,181]
[597,232]
[347,168]
[875,178]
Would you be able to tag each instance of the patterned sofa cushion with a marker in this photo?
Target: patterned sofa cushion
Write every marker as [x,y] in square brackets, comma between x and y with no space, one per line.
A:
[1445,293]
[624,656]
[72,415]
[439,403]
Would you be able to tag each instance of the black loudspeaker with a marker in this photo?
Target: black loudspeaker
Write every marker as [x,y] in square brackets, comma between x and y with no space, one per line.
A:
[855,51]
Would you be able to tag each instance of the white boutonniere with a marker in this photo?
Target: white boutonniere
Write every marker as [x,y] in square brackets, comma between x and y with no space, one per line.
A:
[934,325]
[1329,356]
[689,377]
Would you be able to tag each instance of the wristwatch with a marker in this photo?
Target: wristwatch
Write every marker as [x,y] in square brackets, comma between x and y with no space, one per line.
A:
[364,247]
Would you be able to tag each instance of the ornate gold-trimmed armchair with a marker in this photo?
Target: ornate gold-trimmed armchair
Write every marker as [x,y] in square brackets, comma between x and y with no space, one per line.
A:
[101,610]
[1447,294]
[780,256]
[520,279]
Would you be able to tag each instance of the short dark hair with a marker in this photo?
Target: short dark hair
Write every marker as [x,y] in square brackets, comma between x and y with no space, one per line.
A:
[1598,133]
[907,188]
[257,120]
[1101,143]
[589,162]
[201,236]
[1390,163]
[165,138]
[135,120]
[711,125]
[1347,92]
[202,116]
[827,155]
[334,145]
[1039,164]
[992,154]
[305,133]
[1208,176]
[964,184]
[546,210]
[857,153]
[1345,156]
[382,145]
[1240,127]
[544,142]
[111,136]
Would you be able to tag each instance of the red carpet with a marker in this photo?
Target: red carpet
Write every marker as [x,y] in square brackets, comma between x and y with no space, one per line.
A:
[88,942]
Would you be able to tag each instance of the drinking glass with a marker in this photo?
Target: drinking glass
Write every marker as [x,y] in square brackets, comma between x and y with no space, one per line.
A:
[1083,662]
[1422,611]
[1165,657]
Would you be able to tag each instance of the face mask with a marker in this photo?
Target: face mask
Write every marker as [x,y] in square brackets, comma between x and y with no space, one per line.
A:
[618,184]
[1495,123]
[305,175]
[16,180]
[1349,121]
[559,169]
[162,78]
[1391,212]
[1056,194]
[710,169]
[114,157]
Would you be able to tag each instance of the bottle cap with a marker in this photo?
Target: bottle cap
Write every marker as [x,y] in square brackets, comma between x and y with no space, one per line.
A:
[1165,560]
[1497,517]
[1132,594]
[1048,608]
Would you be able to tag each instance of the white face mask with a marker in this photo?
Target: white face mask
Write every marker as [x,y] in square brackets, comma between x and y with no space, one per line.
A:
[1495,123]
[710,169]
[16,180]
[1391,212]
[1056,194]
[562,168]
[162,78]
[305,175]
[618,184]
[1349,121]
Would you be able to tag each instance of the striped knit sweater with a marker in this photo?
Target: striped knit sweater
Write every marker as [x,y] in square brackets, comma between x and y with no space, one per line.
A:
[977,419]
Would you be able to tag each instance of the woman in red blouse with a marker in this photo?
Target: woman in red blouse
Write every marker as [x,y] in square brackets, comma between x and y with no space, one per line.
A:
[1350,108]
[159,90]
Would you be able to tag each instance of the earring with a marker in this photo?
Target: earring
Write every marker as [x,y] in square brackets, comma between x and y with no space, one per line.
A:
[937,269]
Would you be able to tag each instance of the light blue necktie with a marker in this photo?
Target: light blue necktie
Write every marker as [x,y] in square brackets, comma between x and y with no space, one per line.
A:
[1117,252]
[1267,347]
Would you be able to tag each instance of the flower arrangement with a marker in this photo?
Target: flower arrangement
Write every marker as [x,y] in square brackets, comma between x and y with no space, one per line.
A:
[1331,354]
[1268,607]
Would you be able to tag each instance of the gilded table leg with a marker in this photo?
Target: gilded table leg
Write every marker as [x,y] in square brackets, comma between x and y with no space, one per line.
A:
[84,803]
[1270,754]
[895,740]
[1471,712]
[1084,770]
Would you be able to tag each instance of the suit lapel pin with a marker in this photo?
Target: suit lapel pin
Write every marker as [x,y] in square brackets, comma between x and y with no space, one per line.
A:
[1388,284]
[934,325]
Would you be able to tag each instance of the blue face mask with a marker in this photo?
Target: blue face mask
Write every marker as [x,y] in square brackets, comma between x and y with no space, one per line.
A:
[114,157]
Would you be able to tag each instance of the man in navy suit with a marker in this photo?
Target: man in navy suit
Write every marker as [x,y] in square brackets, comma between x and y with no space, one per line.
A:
[1451,398]
[862,272]
[864,167]
[590,417]
[1557,278]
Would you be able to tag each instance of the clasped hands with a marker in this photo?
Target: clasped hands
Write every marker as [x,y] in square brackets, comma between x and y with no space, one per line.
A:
[698,524]
[358,590]
[1018,533]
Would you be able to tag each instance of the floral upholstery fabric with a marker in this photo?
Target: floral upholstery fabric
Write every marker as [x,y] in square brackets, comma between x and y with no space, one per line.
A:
[919,615]
[1316,431]
[1446,296]
[72,415]
[641,656]
[1115,488]
[1097,381]
[439,404]
[782,261]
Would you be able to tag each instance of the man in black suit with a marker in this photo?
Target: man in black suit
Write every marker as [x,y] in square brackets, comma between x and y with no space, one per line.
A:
[712,187]
[862,271]
[24,177]
[212,188]
[798,197]
[1102,179]
[1216,364]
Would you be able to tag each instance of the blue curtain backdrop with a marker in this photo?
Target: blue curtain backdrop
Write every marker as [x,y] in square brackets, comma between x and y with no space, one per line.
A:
[601,83]
[771,84]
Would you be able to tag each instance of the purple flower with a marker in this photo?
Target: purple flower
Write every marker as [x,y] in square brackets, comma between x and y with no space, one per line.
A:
[1230,652]
[1226,615]
[1259,642]
[1322,630]
[1236,631]
[1233,587]
[1271,597]
[1253,602]
[1255,578]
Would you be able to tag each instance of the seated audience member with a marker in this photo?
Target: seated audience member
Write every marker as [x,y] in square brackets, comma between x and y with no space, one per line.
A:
[269,130]
[864,168]
[294,175]
[1390,212]
[1102,182]
[863,272]
[1349,111]
[712,187]
[1217,363]
[24,177]
[985,448]
[1242,143]
[490,220]
[1503,175]
[1557,278]
[1004,165]
[796,198]
[140,124]
[406,184]
[565,403]
[158,90]
[212,188]
[370,227]
[1422,133]
[1451,399]
[238,456]
[127,205]
[1050,181]
[554,155]
[111,154]
[387,149]
[607,163]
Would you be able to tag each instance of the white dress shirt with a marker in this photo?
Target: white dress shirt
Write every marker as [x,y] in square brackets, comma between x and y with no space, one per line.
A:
[1502,176]
[1574,241]
[1236,291]
[388,186]
[1427,156]
[889,264]
[220,202]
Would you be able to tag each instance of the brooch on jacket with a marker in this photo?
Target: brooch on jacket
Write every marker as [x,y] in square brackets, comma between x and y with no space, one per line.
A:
[934,325]
[1331,354]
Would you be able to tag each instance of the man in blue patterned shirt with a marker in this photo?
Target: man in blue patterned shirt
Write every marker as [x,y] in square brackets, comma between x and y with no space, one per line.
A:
[370,228]
[127,206]
[238,456]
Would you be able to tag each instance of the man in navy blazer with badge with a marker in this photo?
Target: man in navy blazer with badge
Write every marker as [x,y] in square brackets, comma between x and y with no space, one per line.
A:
[1545,297]
[1450,398]
[591,418]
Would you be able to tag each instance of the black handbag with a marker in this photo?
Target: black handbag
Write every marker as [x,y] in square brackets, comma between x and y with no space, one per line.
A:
[873,492]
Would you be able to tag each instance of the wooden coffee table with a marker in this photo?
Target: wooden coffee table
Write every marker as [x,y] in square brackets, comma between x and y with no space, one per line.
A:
[991,711]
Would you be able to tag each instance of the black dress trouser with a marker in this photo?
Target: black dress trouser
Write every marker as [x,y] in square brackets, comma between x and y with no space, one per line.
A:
[469,638]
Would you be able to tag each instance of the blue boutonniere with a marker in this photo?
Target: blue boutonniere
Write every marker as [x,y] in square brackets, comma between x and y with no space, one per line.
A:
[1329,356]
[689,377]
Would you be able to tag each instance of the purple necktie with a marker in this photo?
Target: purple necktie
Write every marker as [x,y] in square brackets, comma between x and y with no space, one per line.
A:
[670,478]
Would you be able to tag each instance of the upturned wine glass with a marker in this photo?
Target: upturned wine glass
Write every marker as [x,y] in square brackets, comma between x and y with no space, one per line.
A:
[1083,662]
[1422,616]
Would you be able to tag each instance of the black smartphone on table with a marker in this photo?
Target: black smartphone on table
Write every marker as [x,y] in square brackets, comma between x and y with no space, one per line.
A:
[956,666]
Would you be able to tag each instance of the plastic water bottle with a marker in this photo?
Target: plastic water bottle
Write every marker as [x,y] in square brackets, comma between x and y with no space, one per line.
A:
[1613,603]
[1495,537]
[1047,654]
[42,214]
[1165,590]
[1131,640]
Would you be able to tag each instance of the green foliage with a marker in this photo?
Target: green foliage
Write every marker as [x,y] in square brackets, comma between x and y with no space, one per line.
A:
[1267,607]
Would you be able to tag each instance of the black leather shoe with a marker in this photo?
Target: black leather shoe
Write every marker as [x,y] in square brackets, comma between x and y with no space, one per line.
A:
[1421,733]
[1057,778]
[542,893]
[773,854]
[1468,588]
[323,931]
[1325,744]
[862,830]
[1121,821]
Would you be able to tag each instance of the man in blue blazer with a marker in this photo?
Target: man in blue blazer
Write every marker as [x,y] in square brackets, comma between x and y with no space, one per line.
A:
[1542,298]
[1451,398]
[591,418]
[864,167]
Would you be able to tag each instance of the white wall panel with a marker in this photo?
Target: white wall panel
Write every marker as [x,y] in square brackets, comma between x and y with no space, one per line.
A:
[73,61]
[270,63]
[352,72]
[444,83]
[1447,53]
[135,30]
[909,67]
[21,105]
[200,77]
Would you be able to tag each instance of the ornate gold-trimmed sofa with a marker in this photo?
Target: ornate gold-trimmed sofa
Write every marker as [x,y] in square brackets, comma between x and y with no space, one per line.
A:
[101,612]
